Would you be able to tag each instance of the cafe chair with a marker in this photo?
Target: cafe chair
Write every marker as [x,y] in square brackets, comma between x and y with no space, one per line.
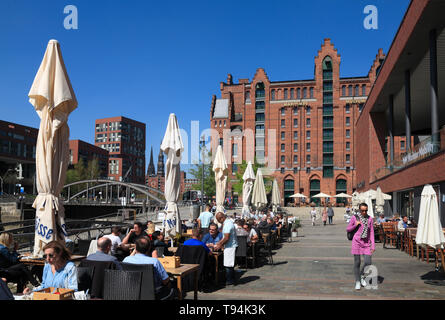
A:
[148,281]
[85,278]
[83,246]
[160,251]
[193,255]
[122,285]
[97,283]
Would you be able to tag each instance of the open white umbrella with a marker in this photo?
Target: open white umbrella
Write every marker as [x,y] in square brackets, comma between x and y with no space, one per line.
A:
[321,195]
[276,197]
[297,195]
[53,98]
[249,178]
[429,228]
[259,198]
[221,171]
[342,195]
[173,147]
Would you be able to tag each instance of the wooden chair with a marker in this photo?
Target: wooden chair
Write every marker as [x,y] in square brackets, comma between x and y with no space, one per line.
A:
[390,234]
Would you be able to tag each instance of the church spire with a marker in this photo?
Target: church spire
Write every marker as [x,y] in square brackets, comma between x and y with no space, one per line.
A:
[151,167]
[161,171]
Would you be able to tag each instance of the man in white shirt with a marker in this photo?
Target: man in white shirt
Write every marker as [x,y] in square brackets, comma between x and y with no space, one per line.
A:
[115,239]
[204,220]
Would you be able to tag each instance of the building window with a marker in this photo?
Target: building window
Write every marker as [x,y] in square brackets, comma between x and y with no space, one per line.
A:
[282,159]
[348,133]
[272,95]
[343,91]
[360,107]
[221,141]
[308,147]
[311,92]
[283,123]
[295,123]
[364,90]
[348,121]
[283,111]
[308,110]
[224,123]
[282,147]
[308,135]
[304,93]
[285,94]
[348,158]
[308,122]
[292,93]
[295,135]
[298,93]
[295,170]
[234,168]
[247,96]
[220,123]
[348,108]
[295,111]
[350,90]
[348,169]
[308,158]
[282,135]
[235,149]
[295,147]
[402,145]
[295,159]
[348,146]
[259,117]
[282,170]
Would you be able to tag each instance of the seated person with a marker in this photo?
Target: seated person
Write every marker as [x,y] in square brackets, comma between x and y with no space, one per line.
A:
[150,230]
[115,239]
[403,224]
[253,236]
[277,223]
[103,252]
[196,240]
[9,261]
[213,237]
[381,219]
[58,272]
[134,234]
[140,256]
[239,228]
[272,224]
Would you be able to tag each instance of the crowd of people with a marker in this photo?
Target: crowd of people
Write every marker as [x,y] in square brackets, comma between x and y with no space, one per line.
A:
[214,231]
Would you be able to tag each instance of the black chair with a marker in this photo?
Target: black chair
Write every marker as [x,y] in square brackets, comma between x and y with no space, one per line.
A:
[241,250]
[160,251]
[148,291]
[97,283]
[265,245]
[122,285]
[85,278]
[193,255]
[83,246]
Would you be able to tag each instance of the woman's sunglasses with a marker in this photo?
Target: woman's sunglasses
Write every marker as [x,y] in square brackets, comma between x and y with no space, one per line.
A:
[48,256]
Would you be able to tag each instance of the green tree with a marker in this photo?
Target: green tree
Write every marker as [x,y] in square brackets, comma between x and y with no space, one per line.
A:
[238,186]
[209,176]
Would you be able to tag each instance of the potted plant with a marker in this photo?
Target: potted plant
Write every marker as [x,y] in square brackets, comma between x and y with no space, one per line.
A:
[295,225]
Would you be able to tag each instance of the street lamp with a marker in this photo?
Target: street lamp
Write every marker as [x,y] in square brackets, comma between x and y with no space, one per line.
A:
[202,145]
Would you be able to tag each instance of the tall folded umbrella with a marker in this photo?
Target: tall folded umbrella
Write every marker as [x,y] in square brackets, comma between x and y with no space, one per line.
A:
[53,98]
[429,228]
[276,198]
[221,171]
[379,201]
[259,198]
[249,178]
[173,147]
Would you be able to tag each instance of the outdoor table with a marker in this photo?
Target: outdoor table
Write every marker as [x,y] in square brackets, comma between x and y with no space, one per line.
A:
[41,261]
[182,271]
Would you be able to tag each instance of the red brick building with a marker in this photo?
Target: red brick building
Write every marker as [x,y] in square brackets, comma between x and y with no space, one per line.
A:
[407,100]
[302,130]
[17,151]
[124,139]
[83,150]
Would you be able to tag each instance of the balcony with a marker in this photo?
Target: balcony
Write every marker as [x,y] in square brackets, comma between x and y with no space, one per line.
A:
[419,152]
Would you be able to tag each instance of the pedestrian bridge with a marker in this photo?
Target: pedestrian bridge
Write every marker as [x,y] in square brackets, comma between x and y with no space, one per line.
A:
[111,192]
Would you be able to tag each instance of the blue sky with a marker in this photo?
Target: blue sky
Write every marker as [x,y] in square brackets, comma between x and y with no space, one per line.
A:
[146,59]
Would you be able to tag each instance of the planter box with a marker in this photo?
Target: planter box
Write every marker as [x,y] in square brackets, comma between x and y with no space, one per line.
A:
[60,294]
[170,262]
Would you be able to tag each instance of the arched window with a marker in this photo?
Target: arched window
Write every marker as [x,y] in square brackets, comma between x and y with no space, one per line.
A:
[289,186]
[259,90]
[340,187]
[314,188]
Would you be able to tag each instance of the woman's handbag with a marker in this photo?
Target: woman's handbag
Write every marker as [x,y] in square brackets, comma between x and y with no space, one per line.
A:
[350,234]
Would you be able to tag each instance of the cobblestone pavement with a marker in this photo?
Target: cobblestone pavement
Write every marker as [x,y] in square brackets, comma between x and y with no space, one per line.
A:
[318,265]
